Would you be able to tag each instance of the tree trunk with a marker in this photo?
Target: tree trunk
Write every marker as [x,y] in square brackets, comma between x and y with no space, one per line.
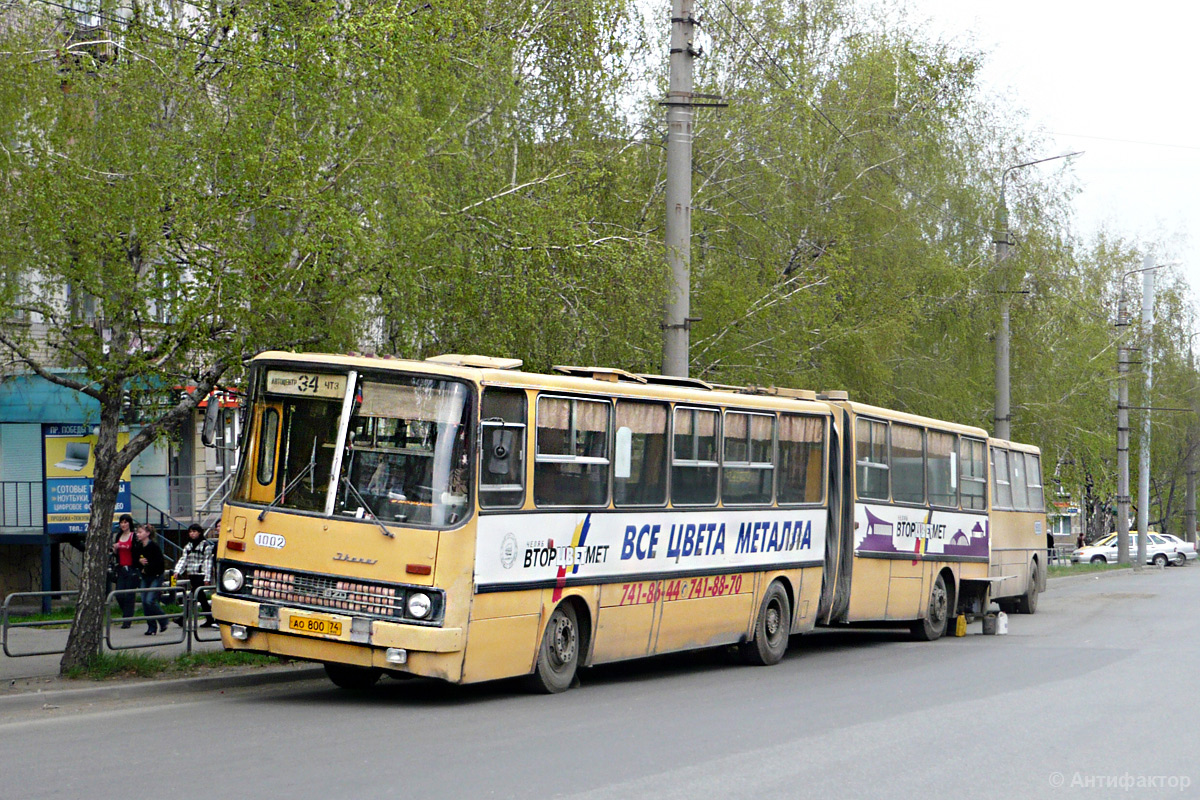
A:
[87,632]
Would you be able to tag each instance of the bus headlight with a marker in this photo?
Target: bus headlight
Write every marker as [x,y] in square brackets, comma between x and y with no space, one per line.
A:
[232,580]
[419,605]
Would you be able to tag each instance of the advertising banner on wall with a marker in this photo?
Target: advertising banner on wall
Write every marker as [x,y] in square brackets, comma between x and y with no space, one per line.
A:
[70,458]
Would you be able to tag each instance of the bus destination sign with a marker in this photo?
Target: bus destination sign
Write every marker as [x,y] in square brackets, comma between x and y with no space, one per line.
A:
[306,384]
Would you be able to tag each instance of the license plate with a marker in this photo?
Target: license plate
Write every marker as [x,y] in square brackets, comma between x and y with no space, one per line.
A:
[315,626]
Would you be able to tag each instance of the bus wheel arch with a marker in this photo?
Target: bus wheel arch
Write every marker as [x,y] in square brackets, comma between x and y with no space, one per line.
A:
[951,594]
[772,626]
[563,647]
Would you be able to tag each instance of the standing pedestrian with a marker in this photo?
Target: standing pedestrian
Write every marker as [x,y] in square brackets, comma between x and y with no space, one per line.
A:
[195,565]
[127,573]
[150,560]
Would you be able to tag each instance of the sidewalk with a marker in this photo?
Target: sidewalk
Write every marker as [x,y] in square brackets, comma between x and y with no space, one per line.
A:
[33,681]
[166,645]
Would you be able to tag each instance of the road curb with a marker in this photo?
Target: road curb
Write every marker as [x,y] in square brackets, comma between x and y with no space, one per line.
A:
[257,676]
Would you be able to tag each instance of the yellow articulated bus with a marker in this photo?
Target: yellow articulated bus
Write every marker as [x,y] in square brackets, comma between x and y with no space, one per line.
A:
[461,519]
[1018,514]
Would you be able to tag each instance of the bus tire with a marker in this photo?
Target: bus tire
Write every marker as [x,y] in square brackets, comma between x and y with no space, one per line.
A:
[933,624]
[347,676]
[1028,602]
[771,629]
[558,655]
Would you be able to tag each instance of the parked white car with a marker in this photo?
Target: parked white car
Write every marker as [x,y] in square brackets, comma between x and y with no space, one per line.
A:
[1161,549]
[1184,551]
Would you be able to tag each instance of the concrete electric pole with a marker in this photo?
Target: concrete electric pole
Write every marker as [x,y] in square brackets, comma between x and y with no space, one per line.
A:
[1002,418]
[1144,461]
[678,234]
[681,103]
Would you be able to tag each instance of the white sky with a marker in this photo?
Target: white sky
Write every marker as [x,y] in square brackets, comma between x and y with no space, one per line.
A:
[1117,80]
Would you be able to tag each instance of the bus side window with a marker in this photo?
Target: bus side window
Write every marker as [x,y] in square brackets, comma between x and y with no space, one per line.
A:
[748,466]
[908,464]
[1020,489]
[872,459]
[939,469]
[1001,488]
[502,474]
[570,467]
[971,474]
[1033,474]
[801,459]
[694,458]
[646,483]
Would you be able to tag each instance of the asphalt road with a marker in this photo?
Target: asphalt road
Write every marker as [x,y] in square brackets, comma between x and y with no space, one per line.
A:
[1091,697]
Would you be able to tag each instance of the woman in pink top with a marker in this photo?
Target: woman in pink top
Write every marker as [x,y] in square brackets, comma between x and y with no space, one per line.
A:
[127,574]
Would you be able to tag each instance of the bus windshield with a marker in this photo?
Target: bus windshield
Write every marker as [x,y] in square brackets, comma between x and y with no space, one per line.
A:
[406,453]
[405,460]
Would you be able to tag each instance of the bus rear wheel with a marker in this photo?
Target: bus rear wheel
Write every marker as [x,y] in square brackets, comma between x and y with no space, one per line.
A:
[346,676]
[933,624]
[771,629]
[1028,602]
[558,656]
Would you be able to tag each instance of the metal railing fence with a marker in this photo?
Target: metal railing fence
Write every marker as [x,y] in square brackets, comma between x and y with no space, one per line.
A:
[188,618]
[6,624]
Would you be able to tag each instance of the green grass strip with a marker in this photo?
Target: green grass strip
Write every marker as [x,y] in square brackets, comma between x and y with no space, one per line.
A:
[1058,570]
[107,666]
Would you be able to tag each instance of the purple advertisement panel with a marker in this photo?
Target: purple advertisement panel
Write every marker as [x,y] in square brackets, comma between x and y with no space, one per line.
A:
[923,533]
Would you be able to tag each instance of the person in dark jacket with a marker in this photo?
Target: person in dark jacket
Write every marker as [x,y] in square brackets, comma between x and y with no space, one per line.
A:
[149,557]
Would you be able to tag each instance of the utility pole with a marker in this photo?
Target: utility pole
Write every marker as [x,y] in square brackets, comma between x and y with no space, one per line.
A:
[1122,434]
[1144,463]
[678,233]
[1002,418]
[1189,508]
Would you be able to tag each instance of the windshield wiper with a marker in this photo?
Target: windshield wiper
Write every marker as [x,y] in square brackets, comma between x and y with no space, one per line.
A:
[367,507]
[312,465]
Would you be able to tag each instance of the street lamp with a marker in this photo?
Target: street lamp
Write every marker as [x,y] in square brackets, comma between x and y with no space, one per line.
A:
[1002,418]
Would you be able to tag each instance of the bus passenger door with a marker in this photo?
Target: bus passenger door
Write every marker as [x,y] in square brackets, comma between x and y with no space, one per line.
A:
[264,452]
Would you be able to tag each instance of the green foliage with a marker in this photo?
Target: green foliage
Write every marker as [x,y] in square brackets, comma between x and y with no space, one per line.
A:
[488,177]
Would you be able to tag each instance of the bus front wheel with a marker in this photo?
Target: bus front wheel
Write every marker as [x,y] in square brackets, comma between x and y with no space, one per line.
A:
[346,676]
[558,656]
[933,624]
[771,629]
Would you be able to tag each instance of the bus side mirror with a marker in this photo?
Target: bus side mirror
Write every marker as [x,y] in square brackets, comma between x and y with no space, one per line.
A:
[624,454]
[208,434]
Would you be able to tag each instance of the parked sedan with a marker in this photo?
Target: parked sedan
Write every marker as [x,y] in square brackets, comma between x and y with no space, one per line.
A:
[1183,551]
[1159,551]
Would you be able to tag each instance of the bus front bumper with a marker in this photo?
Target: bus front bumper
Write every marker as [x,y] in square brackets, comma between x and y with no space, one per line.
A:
[268,630]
